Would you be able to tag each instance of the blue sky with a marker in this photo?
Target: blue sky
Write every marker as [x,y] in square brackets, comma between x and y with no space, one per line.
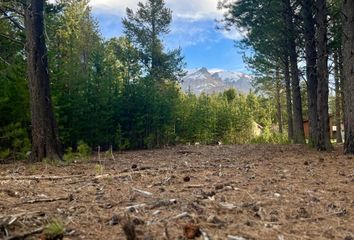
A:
[193,29]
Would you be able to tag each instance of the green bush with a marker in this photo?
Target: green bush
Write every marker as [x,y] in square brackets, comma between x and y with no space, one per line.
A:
[273,138]
[14,142]
[83,152]
[69,156]
[54,230]
[83,149]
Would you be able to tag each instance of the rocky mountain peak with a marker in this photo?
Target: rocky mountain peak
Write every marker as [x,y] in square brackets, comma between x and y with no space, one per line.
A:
[201,80]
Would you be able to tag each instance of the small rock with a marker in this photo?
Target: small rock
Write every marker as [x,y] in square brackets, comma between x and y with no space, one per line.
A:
[221,186]
[306,163]
[332,206]
[134,166]
[138,221]
[214,219]
[208,194]
[191,231]
[249,223]
[348,238]
[342,212]
[114,220]
[186,179]
[302,213]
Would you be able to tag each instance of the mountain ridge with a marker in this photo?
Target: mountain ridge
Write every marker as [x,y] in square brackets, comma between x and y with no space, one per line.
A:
[203,80]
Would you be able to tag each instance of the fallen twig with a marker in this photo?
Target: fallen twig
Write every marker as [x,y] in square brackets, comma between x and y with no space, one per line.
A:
[163,203]
[195,186]
[230,237]
[145,193]
[134,207]
[182,215]
[229,206]
[24,235]
[48,199]
[18,215]
[35,177]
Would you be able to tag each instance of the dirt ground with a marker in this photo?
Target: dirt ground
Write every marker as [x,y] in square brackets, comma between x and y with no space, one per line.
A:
[218,192]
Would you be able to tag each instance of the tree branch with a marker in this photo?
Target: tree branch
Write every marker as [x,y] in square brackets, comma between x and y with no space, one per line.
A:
[11,39]
[14,21]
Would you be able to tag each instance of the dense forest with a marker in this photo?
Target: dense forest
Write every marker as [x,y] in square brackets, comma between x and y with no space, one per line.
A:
[302,48]
[65,88]
[122,93]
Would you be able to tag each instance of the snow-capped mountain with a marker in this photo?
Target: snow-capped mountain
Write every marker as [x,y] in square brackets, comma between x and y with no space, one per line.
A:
[202,80]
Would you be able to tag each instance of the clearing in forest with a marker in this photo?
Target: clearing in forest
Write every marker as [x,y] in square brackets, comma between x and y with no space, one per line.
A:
[219,192]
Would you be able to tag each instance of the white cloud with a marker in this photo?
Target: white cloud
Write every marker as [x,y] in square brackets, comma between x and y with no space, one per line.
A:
[185,33]
[233,34]
[186,9]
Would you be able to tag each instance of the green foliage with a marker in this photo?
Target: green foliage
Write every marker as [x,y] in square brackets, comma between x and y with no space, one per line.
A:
[69,156]
[210,119]
[83,149]
[144,29]
[273,138]
[99,169]
[14,142]
[122,92]
[54,230]
[83,152]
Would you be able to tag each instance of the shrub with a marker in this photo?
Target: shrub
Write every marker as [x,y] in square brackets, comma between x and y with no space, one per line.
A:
[83,149]
[69,156]
[54,230]
[14,142]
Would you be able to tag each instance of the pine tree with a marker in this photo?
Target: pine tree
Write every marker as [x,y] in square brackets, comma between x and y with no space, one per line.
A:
[45,139]
[311,70]
[145,29]
[348,62]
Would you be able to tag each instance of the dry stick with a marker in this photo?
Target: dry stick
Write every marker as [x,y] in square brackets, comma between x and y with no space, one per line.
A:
[21,214]
[24,235]
[112,154]
[166,233]
[47,200]
[19,178]
[145,193]
[99,156]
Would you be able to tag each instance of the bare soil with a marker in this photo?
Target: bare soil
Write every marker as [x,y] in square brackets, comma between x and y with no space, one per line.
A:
[218,192]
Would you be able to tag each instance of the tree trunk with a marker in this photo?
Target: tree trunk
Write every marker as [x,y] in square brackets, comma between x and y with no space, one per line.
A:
[311,55]
[45,142]
[324,142]
[341,82]
[288,99]
[278,99]
[338,98]
[299,136]
[348,72]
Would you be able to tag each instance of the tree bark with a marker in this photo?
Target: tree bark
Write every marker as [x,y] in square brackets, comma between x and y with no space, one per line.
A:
[299,136]
[341,82]
[324,142]
[45,142]
[311,75]
[288,99]
[348,73]
[278,99]
[338,98]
